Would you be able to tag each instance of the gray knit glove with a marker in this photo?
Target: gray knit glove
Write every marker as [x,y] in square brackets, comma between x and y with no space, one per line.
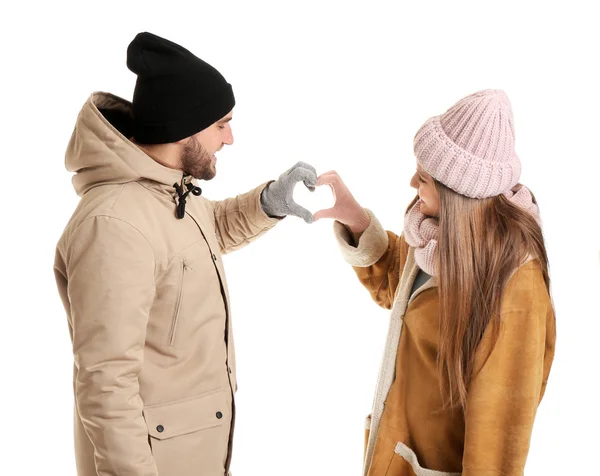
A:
[277,198]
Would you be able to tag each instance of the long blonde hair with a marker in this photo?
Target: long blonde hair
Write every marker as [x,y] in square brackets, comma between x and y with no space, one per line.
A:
[480,243]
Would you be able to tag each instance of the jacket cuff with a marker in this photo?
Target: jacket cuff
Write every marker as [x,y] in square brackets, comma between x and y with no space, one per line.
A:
[256,214]
[372,244]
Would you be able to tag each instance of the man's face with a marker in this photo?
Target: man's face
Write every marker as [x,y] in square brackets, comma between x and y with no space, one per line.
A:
[198,153]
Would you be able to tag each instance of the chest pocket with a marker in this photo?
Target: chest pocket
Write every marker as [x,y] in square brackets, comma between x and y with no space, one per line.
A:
[193,294]
[184,268]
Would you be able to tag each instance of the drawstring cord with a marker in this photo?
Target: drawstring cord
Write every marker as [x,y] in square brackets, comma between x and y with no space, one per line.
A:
[182,196]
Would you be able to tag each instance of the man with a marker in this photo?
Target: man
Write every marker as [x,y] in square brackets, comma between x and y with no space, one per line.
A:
[139,269]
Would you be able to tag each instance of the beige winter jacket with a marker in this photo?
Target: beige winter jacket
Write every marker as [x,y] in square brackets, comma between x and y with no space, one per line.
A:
[147,306]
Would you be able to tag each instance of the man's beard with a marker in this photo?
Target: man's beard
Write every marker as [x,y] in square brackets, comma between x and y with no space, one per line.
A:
[196,161]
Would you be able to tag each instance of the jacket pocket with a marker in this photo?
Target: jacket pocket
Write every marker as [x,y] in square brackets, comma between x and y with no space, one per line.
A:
[175,320]
[189,434]
[405,463]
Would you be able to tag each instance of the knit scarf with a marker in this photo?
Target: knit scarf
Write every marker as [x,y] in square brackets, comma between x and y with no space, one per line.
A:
[420,231]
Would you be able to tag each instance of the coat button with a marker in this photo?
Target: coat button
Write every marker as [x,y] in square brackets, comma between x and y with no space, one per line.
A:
[160,428]
[219,415]
[214,257]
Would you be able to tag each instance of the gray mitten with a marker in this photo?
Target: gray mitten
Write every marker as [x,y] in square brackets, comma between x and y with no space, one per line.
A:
[277,198]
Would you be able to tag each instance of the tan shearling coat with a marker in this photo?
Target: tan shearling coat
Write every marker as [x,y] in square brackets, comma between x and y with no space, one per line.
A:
[408,434]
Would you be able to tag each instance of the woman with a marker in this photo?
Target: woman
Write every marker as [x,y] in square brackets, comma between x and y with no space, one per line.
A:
[472,330]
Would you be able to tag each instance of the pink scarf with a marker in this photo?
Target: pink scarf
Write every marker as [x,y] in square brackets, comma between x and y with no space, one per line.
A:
[420,231]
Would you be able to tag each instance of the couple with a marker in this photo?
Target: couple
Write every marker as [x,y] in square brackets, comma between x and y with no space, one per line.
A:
[140,274]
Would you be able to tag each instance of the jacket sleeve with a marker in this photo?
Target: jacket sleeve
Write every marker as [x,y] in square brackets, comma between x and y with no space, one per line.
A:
[378,259]
[240,220]
[511,377]
[111,288]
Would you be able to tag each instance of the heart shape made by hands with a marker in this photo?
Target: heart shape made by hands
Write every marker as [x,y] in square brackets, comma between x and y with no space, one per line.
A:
[321,199]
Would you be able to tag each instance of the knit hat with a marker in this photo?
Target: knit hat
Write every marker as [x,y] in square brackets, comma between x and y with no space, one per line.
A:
[470,148]
[176,93]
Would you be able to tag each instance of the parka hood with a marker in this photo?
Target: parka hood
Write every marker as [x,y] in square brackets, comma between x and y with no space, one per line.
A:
[101,153]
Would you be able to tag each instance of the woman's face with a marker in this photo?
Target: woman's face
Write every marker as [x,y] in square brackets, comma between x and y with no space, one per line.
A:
[425,186]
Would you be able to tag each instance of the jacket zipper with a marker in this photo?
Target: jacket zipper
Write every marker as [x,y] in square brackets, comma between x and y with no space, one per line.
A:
[233,409]
[227,318]
[175,319]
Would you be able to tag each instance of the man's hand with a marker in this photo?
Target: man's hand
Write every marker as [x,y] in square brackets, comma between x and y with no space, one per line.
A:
[277,198]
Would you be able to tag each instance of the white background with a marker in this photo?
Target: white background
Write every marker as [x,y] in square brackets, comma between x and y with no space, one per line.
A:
[342,86]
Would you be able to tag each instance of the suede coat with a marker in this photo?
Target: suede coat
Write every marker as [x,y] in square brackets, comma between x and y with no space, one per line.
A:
[408,433]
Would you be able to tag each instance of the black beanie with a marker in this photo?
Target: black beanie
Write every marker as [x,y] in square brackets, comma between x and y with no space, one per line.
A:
[176,93]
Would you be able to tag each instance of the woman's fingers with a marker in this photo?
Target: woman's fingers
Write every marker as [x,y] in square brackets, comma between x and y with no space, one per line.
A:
[327,213]
[327,178]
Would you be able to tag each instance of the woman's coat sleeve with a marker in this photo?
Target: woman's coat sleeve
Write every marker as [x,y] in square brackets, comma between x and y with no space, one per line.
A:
[378,259]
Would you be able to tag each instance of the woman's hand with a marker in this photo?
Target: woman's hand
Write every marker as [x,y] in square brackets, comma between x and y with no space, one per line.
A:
[346,209]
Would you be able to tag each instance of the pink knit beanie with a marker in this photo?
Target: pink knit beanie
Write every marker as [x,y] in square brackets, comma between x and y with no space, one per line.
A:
[470,148]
